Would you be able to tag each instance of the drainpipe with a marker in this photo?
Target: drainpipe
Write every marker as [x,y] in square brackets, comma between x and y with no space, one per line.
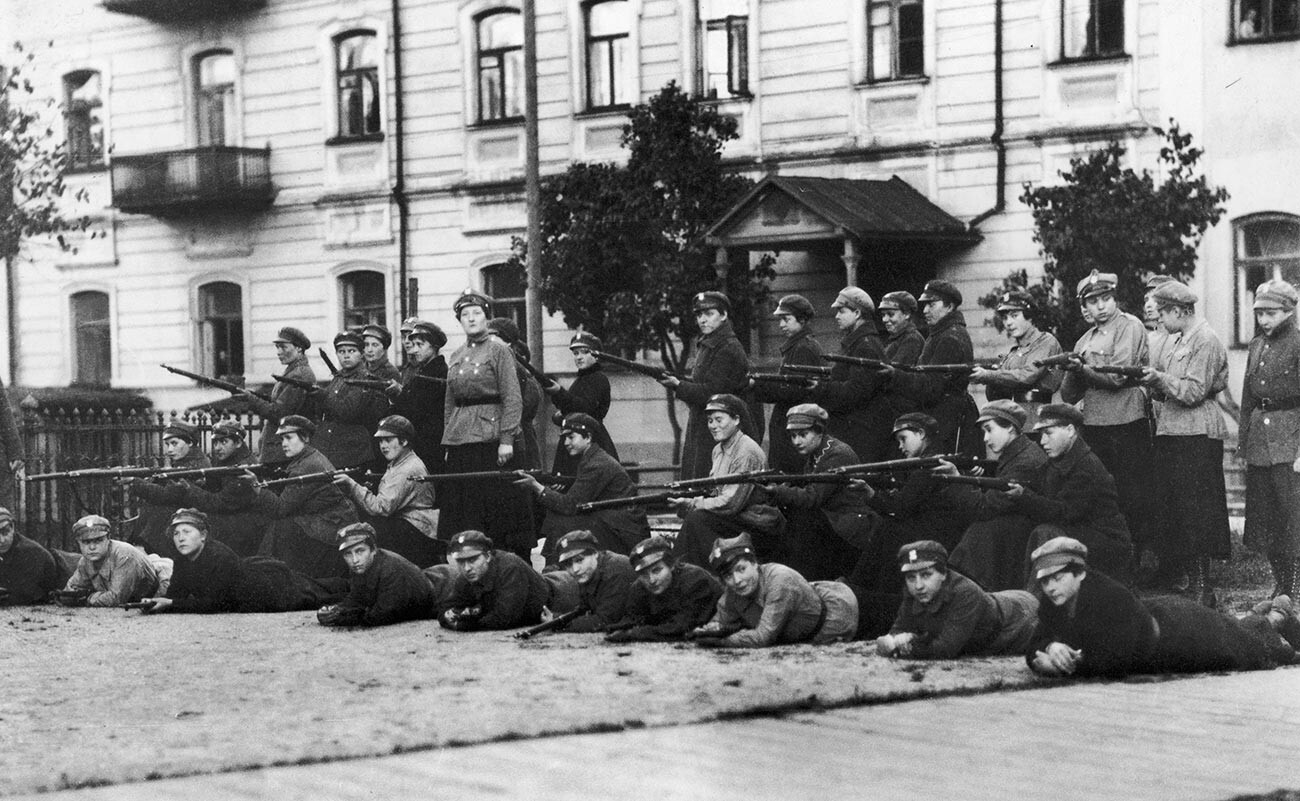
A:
[399,155]
[998,123]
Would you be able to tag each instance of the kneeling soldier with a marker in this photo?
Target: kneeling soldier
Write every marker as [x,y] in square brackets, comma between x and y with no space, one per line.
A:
[669,597]
[384,587]
[604,580]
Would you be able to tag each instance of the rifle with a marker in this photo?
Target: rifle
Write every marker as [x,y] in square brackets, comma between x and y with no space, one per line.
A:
[858,361]
[657,373]
[807,369]
[983,482]
[325,357]
[708,482]
[513,475]
[233,389]
[542,378]
[639,500]
[98,472]
[311,478]
[783,378]
[367,383]
[296,382]
[877,364]
[1066,359]
[915,463]
[553,623]
[138,605]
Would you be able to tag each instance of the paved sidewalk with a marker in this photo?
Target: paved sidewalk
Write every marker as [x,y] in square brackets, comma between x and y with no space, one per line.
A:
[1206,738]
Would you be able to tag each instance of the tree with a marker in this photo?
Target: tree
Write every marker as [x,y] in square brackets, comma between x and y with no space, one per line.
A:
[32,164]
[623,249]
[1110,218]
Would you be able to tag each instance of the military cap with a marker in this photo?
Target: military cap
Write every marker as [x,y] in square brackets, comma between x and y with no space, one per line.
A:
[355,534]
[378,332]
[5,514]
[921,554]
[938,289]
[1156,280]
[1173,293]
[1004,411]
[181,430]
[917,421]
[408,325]
[579,423]
[292,336]
[1056,554]
[348,339]
[505,328]
[429,332]
[1058,414]
[805,415]
[585,339]
[898,301]
[1276,294]
[854,297]
[471,298]
[90,526]
[1096,284]
[295,423]
[711,300]
[395,425]
[649,552]
[228,429]
[795,305]
[725,402]
[1015,300]
[195,517]
[726,551]
[470,540]
[575,543]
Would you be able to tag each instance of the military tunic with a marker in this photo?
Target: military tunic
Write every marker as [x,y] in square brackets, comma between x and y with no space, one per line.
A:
[944,396]
[124,575]
[732,509]
[510,595]
[689,602]
[964,620]
[285,400]
[1017,379]
[598,478]
[800,349]
[392,590]
[604,596]
[720,366]
[904,345]
[232,518]
[401,510]
[349,417]
[422,402]
[307,518]
[1269,440]
[383,370]
[786,608]
[861,411]
[28,572]
[588,394]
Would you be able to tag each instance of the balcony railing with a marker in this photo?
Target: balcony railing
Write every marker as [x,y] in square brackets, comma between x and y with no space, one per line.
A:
[180,10]
[179,182]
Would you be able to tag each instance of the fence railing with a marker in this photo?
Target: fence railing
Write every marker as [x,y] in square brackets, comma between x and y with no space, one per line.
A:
[80,439]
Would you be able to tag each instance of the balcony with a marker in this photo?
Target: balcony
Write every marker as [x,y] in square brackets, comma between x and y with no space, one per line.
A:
[182,10]
[180,182]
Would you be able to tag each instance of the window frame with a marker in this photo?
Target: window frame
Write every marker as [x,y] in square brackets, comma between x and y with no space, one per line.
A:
[630,52]
[1094,7]
[490,276]
[337,91]
[76,326]
[348,312]
[895,41]
[736,27]
[500,53]
[231,135]
[205,355]
[1266,18]
[1243,286]
[73,125]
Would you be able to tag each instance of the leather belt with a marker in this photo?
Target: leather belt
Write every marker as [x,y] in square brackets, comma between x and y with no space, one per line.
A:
[1033,396]
[487,400]
[1278,404]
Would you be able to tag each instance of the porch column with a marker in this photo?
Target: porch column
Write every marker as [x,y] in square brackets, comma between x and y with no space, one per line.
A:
[851,258]
[720,266]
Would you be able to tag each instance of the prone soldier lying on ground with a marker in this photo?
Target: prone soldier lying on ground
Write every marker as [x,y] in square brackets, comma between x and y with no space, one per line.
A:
[383,587]
[603,578]
[110,572]
[496,589]
[668,599]
[28,572]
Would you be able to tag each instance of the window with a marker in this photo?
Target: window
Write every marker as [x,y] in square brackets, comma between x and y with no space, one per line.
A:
[92,343]
[1265,19]
[83,115]
[507,285]
[896,39]
[1092,28]
[1265,247]
[357,75]
[724,48]
[214,98]
[500,65]
[221,329]
[608,56]
[364,300]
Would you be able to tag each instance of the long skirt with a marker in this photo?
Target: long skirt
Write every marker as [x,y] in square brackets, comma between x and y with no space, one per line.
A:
[992,552]
[814,548]
[494,506]
[1125,450]
[1192,499]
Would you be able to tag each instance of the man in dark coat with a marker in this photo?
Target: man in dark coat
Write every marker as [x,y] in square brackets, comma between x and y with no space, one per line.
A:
[307,516]
[668,599]
[904,343]
[181,451]
[794,315]
[286,399]
[1078,497]
[856,397]
[494,589]
[598,478]
[422,391]
[349,413]
[943,395]
[720,366]
[28,573]
[992,550]
[384,588]
[604,582]
[588,394]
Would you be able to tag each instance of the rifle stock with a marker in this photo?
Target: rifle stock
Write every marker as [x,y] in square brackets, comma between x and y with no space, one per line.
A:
[657,373]
[295,382]
[542,378]
[325,357]
[962,461]
[216,383]
[553,623]
[310,478]
[718,481]
[857,361]
[367,383]
[807,369]
[543,476]
[1066,359]
[782,378]
[639,500]
[172,473]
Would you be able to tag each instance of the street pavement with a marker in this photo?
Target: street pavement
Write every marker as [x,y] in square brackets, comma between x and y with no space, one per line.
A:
[1205,738]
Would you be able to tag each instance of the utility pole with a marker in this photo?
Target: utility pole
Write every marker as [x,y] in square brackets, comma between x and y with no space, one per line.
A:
[532,187]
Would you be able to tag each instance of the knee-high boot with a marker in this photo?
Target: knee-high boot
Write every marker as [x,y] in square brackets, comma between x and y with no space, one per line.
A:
[1200,587]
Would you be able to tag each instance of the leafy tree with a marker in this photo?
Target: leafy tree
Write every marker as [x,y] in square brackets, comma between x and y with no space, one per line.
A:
[623,248]
[31,162]
[1113,219]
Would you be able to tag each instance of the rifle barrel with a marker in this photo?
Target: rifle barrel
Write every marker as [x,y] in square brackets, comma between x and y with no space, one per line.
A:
[541,475]
[553,623]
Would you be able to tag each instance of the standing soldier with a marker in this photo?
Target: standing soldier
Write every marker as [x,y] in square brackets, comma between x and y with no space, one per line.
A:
[286,399]
[1114,407]
[588,394]
[1017,378]
[528,451]
[1191,369]
[854,396]
[898,313]
[720,368]
[1270,435]
[349,413]
[376,339]
[943,395]
[179,438]
[423,389]
[794,314]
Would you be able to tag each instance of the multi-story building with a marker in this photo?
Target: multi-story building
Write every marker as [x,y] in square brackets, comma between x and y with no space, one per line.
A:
[326,163]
